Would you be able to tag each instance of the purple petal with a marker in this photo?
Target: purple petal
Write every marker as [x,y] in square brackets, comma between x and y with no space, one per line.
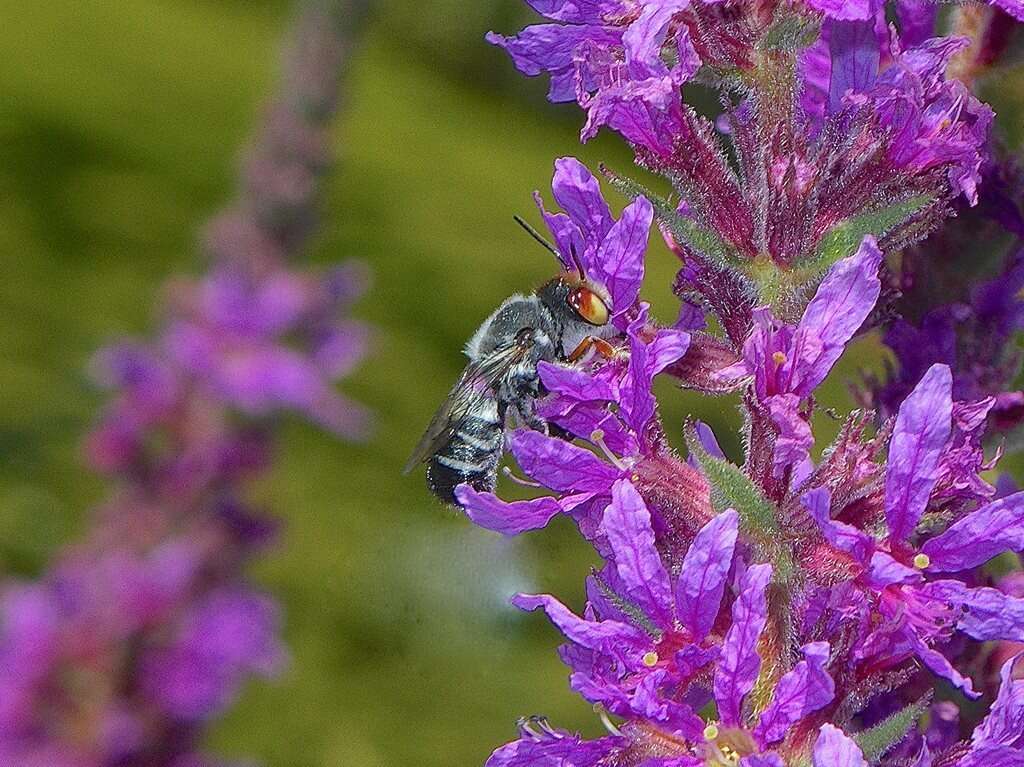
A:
[917,20]
[619,264]
[560,465]
[940,665]
[992,756]
[855,56]
[854,542]
[644,39]
[545,747]
[805,689]
[708,440]
[648,703]
[986,613]
[1004,724]
[567,235]
[574,383]
[575,11]
[843,301]
[508,518]
[667,347]
[794,440]
[834,749]
[609,637]
[886,571]
[578,193]
[847,10]
[764,760]
[636,398]
[703,575]
[1013,7]
[979,536]
[627,523]
[550,48]
[739,666]
[921,432]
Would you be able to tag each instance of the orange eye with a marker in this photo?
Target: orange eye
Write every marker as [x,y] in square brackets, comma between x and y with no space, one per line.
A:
[589,306]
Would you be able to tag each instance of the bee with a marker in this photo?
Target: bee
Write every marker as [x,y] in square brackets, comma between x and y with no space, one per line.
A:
[559,322]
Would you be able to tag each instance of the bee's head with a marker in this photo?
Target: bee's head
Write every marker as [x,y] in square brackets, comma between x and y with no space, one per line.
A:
[574,297]
[571,295]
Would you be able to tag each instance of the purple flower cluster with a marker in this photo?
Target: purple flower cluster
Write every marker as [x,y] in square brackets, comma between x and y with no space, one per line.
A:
[145,630]
[800,608]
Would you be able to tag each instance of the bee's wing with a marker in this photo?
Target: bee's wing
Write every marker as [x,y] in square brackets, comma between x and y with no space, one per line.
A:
[475,385]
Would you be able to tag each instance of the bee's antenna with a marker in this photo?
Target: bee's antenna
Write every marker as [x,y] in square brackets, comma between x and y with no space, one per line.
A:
[576,260]
[537,236]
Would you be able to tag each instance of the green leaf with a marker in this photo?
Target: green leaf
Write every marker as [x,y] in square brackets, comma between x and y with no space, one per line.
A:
[844,238]
[685,230]
[732,489]
[887,733]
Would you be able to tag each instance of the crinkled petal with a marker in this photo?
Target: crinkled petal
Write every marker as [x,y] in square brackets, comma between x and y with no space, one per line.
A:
[762,760]
[578,193]
[1004,724]
[917,20]
[555,748]
[575,11]
[619,264]
[627,523]
[702,578]
[805,689]
[506,517]
[648,703]
[1013,7]
[981,535]
[992,756]
[922,428]
[550,48]
[843,537]
[740,664]
[794,439]
[847,10]
[667,347]
[560,465]
[843,301]
[885,571]
[940,665]
[609,637]
[990,614]
[573,383]
[855,57]
[834,748]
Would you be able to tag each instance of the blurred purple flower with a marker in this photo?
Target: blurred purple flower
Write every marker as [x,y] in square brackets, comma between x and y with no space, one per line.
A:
[146,630]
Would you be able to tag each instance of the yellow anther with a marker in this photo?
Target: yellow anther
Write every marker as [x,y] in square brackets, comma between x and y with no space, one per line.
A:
[650,659]
[922,561]
[711,732]
[597,435]
[779,357]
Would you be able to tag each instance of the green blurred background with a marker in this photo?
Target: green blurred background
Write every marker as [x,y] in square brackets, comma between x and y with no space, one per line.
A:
[120,125]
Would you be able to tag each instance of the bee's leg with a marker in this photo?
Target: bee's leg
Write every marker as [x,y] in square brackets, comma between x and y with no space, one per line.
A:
[527,412]
[603,348]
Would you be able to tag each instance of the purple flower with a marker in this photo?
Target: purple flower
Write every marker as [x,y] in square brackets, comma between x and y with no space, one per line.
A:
[629,663]
[787,363]
[644,631]
[608,55]
[610,252]
[143,631]
[917,613]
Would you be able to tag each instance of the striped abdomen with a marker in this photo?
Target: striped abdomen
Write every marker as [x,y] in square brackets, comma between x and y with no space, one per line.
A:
[470,456]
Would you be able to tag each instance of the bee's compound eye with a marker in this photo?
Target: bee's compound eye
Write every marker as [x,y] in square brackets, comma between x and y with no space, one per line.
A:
[589,306]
